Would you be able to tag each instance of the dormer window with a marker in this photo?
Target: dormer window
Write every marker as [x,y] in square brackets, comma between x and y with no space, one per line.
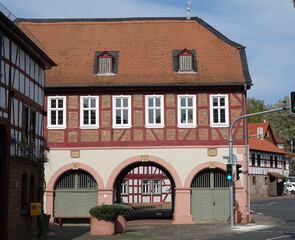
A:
[105,63]
[185,61]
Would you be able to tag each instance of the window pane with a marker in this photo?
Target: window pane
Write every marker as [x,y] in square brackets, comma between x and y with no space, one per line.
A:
[118,116]
[215,102]
[190,115]
[93,103]
[222,115]
[182,102]
[222,101]
[125,102]
[151,102]
[118,102]
[93,118]
[60,117]
[85,103]
[151,116]
[190,102]
[215,115]
[53,103]
[183,116]
[125,116]
[158,116]
[53,117]
[60,103]
[158,102]
[86,117]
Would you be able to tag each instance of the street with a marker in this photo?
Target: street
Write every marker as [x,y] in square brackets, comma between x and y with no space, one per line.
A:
[280,208]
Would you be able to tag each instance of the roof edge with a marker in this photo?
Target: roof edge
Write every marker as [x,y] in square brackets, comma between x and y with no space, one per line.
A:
[197,19]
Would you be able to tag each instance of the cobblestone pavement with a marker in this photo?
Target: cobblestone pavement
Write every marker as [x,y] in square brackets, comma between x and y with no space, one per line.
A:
[142,232]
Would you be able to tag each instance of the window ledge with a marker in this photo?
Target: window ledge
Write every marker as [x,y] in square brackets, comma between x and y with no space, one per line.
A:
[188,72]
[56,127]
[122,127]
[89,127]
[187,126]
[106,74]
[219,125]
[154,126]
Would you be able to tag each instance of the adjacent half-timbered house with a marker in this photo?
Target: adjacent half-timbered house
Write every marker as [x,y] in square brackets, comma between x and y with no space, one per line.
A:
[268,165]
[134,92]
[22,72]
[146,185]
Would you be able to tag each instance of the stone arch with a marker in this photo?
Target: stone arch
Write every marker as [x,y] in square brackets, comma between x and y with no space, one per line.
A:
[153,159]
[49,192]
[199,168]
[65,168]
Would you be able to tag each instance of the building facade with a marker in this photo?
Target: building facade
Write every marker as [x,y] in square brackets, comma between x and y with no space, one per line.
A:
[23,66]
[268,165]
[128,93]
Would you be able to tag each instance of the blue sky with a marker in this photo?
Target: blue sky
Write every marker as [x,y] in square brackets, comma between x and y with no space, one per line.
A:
[265,27]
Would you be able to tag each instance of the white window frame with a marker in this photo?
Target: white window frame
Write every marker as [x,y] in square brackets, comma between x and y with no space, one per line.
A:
[122,125]
[185,62]
[186,125]
[148,185]
[82,109]
[159,187]
[154,108]
[226,123]
[50,110]
[124,185]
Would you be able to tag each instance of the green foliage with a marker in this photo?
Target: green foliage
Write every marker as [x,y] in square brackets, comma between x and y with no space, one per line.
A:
[105,212]
[282,122]
[253,106]
[125,210]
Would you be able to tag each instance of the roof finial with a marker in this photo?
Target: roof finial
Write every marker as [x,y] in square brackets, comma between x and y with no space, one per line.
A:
[188,9]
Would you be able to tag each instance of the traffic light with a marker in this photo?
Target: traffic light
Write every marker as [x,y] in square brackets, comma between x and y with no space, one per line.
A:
[229,171]
[238,171]
[293,102]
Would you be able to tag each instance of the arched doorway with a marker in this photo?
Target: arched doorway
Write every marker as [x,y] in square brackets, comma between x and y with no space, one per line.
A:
[146,186]
[75,192]
[210,196]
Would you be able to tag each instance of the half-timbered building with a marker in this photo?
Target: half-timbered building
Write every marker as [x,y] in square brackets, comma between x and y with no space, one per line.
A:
[155,92]
[268,165]
[22,72]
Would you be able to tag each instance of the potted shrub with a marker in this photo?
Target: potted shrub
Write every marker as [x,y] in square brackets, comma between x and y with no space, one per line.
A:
[103,219]
[124,212]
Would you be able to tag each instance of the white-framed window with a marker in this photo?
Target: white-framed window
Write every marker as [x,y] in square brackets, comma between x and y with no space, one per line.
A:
[56,107]
[154,111]
[124,187]
[89,111]
[157,187]
[122,111]
[146,187]
[187,111]
[219,111]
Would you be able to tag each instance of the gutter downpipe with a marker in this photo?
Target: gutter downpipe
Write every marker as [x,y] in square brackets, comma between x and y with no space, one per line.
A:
[246,152]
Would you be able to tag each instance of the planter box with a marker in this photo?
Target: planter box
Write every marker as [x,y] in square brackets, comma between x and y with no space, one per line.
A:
[120,224]
[101,227]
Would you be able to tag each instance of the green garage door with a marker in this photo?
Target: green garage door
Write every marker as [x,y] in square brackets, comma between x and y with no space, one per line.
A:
[210,197]
[75,194]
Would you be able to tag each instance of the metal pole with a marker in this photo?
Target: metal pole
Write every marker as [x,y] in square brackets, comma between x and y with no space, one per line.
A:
[246,156]
[230,141]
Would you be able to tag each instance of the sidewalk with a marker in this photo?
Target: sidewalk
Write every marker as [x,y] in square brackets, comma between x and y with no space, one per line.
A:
[162,229]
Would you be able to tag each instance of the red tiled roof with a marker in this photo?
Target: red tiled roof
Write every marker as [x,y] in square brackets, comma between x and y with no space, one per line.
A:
[264,144]
[145,51]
